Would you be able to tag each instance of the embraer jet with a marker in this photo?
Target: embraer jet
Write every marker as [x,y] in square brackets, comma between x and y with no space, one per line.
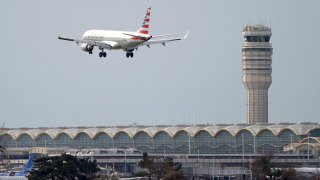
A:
[120,40]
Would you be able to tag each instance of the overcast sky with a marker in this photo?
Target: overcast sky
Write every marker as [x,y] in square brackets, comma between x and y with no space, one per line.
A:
[50,83]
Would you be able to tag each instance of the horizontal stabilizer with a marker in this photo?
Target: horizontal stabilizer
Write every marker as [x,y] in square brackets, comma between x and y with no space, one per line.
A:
[66,39]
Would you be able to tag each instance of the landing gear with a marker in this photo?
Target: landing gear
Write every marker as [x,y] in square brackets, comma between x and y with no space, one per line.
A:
[102,54]
[129,54]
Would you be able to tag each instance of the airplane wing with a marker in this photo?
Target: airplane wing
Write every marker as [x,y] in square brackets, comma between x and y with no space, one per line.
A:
[162,35]
[103,45]
[162,41]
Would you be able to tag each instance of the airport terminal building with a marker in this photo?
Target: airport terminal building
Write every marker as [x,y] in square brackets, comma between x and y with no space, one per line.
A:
[202,149]
[179,139]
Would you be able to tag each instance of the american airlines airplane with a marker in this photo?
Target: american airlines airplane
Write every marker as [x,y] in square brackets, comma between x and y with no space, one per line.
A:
[120,40]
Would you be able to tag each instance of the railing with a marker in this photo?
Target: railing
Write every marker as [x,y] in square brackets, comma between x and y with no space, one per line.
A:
[229,172]
[256,44]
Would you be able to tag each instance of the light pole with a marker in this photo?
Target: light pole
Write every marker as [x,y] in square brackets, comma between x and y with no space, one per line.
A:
[213,166]
[125,161]
[198,156]
[189,143]
[197,164]
[254,144]
[242,150]
[308,149]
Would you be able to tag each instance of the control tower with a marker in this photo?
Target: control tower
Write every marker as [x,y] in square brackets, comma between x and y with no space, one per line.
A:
[256,60]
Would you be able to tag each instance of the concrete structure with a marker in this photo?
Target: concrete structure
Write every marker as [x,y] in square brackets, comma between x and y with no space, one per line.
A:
[256,55]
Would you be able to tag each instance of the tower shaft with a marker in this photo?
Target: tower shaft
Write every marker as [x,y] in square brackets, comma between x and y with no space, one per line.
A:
[257,59]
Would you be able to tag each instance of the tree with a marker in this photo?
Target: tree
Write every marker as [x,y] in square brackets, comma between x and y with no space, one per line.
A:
[290,174]
[4,160]
[262,167]
[174,170]
[147,163]
[167,168]
[64,167]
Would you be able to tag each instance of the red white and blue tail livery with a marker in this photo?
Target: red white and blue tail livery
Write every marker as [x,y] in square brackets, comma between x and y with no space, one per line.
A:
[145,25]
[120,40]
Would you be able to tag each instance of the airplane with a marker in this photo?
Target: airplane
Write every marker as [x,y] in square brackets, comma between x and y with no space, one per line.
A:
[121,40]
[21,175]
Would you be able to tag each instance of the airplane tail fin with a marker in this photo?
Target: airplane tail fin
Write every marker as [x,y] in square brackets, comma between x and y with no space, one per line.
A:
[144,29]
[29,163]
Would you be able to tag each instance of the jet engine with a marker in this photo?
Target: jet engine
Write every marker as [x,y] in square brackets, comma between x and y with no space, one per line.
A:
[86,47]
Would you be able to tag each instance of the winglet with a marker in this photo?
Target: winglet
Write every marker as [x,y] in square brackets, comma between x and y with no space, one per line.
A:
[185,37]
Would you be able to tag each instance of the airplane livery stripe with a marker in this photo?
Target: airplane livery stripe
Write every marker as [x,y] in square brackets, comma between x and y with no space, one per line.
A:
[144,32]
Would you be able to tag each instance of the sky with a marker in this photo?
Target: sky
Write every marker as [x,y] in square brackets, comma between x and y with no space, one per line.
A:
[45,82]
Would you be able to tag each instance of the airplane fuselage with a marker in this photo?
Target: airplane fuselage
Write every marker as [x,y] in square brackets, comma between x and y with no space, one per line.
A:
[124,40]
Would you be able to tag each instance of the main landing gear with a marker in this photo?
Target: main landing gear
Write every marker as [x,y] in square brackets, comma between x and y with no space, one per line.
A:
[102,54]
[129,54]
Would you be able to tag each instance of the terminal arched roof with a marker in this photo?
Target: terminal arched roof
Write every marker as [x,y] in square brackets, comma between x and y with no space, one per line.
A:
[131,131]
[152,131]
[193,130]
[112,131]
[92,132]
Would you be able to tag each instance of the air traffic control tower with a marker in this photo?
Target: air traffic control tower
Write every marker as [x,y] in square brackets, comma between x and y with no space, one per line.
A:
[256,59]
